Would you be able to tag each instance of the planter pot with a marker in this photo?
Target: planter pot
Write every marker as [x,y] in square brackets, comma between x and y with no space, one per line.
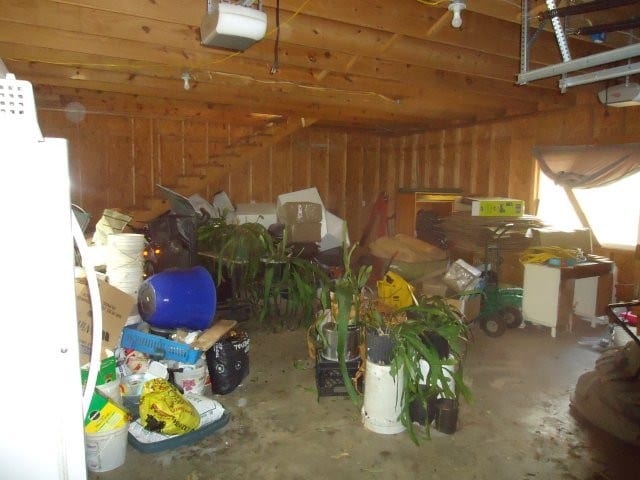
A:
[382,399]
[420,414]
[379,347]
[330,350]
[446,418]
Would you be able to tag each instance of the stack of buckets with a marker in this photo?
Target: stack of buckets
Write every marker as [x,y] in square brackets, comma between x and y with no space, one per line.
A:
[125,261]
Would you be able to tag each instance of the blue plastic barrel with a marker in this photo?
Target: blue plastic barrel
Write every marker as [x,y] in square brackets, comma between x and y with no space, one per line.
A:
[178,298]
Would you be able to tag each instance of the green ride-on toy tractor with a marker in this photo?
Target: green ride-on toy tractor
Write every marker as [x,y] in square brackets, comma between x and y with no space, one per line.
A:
[501,307]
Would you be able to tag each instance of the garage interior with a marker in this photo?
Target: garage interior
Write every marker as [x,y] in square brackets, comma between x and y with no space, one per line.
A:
[354,99]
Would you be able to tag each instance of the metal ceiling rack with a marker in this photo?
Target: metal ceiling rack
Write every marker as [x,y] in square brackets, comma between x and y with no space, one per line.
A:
[573,65]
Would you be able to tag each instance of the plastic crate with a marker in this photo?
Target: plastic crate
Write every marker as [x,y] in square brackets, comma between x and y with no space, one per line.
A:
[157,347]
[329,380]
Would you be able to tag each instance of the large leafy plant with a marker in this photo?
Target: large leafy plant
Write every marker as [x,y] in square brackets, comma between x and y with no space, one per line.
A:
[236,250]
[289,285]
[429,324]
[345,295]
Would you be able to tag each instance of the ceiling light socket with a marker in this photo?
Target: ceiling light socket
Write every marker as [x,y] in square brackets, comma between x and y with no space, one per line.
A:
[186,76]
[456,6]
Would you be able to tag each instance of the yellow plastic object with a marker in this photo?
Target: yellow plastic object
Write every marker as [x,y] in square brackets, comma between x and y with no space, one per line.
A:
[163,409]
[395,291]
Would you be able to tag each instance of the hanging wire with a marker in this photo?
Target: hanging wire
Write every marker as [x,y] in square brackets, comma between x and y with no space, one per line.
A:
[275,65]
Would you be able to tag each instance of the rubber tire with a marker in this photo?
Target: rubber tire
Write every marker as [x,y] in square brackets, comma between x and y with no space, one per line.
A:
[493,325]
[511,316]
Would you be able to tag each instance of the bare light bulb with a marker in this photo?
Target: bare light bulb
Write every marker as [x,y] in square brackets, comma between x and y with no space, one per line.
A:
[186,76]
[456,6]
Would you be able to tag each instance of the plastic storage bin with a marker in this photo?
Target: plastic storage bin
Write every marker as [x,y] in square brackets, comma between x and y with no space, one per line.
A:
[157,347]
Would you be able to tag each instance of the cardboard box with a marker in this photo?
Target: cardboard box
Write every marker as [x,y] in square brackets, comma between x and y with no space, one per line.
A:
[262,213]
[431,287]
[300,212]
[306,195]
[303,232]
[550,237]
[116,308]
[496,207]
[469,305]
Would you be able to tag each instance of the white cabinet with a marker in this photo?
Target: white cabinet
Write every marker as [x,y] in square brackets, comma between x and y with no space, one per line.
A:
[552,295]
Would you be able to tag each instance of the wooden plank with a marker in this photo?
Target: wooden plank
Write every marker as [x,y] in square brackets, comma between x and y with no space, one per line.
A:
[337,172]
[143,159]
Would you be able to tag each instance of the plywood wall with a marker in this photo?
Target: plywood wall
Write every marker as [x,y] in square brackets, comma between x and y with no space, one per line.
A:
[117,159]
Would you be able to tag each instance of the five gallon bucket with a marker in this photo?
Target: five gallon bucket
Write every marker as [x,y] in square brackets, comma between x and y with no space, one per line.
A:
[382,399]
[125,261]
[178,298]
[106,450]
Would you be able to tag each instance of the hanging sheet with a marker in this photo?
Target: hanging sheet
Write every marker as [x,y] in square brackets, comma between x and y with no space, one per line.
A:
[588,166]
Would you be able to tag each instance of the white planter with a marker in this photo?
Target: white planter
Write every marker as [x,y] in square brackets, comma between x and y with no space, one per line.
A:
[382,399]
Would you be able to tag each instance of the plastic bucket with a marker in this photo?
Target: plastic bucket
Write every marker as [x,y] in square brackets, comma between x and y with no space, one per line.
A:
[382,399]
[107,450]
[179,298]
[191,378]
[131,388]
[330,350]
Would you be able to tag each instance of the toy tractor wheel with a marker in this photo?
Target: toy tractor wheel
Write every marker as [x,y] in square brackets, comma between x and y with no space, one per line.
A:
[493,325]
[511,316]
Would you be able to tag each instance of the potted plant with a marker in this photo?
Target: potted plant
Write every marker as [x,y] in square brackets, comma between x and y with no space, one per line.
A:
[428,351]
[338,326]
[234,251]
[288,286]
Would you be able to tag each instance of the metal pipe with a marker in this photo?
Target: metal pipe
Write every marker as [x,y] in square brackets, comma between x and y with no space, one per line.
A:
[584,8]
[594,60]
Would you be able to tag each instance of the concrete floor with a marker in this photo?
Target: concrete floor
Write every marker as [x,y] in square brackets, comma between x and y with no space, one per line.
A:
[519,425]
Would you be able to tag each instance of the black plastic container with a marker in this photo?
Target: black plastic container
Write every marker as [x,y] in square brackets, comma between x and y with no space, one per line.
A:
[421,415]
[446,418]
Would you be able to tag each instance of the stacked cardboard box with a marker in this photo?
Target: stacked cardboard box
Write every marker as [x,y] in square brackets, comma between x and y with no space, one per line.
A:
[302,221]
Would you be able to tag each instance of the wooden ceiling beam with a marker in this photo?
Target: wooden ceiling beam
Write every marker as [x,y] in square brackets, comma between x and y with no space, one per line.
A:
[303,30]
[368,87]
[335,111]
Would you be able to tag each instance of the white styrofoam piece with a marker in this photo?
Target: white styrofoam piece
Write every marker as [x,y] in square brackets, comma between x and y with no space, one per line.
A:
[335,233]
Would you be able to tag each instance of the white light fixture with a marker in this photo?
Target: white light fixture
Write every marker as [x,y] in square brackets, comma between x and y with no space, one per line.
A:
[456,6]
[232,26]
[186,76]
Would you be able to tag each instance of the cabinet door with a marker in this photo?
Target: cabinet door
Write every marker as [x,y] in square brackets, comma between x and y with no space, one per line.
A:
[541,289]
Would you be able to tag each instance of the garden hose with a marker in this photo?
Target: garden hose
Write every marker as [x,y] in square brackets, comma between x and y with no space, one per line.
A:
[544,254]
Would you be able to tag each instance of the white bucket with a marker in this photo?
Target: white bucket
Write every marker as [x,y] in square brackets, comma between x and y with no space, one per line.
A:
[192,379]
[125,261]
[382,399]
[448,371]
[106,451]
